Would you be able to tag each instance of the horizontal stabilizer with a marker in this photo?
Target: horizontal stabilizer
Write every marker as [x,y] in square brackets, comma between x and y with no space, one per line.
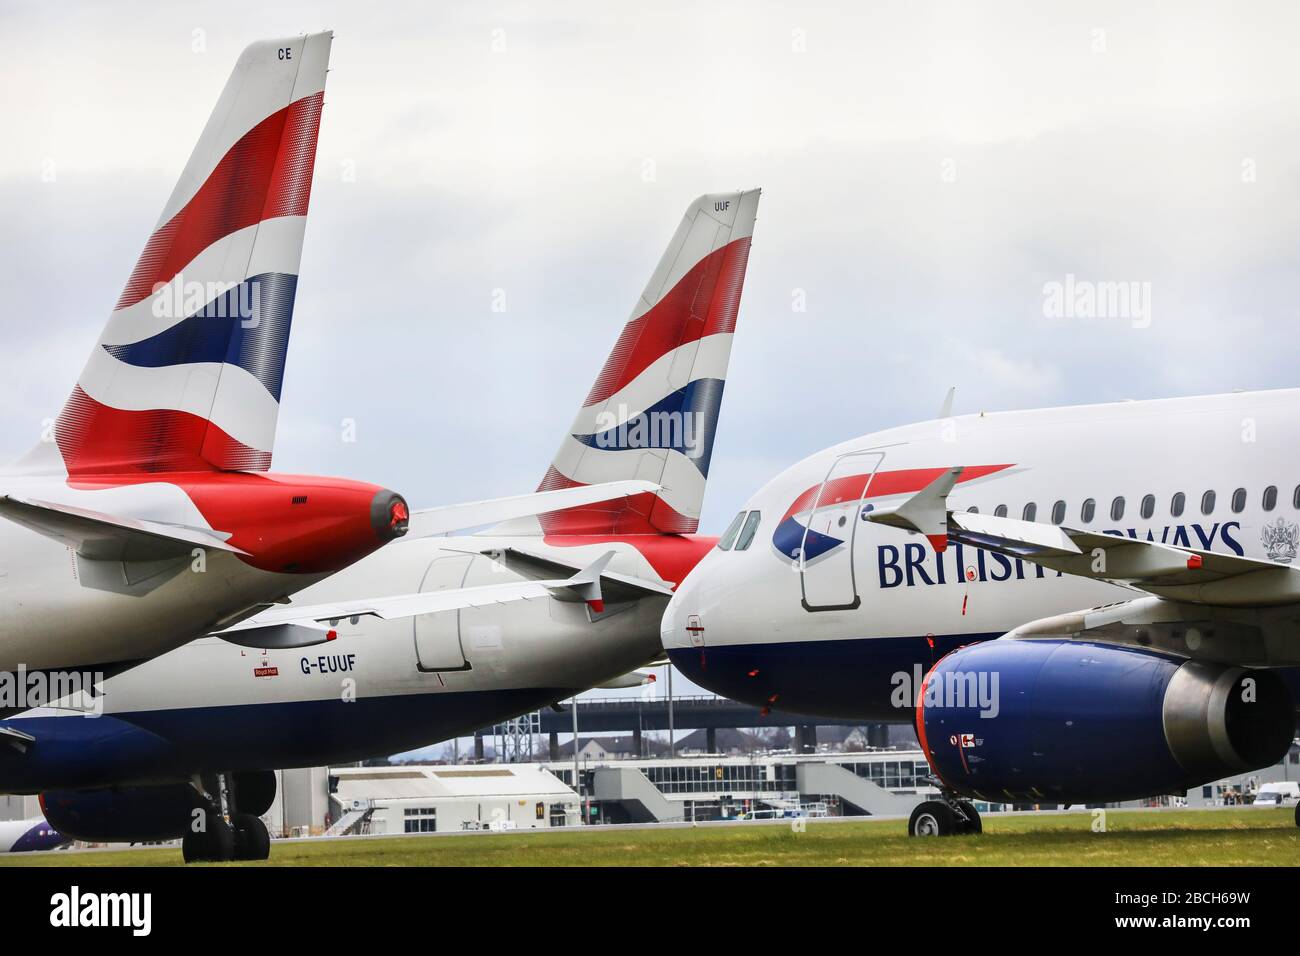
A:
[475,514]
[104,537]
[617,587]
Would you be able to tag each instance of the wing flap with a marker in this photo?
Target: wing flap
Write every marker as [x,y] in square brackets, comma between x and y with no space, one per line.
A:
[301,625]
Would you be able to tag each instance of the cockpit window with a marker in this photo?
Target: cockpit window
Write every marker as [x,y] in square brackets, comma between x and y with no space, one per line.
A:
[747,532]
[729,536]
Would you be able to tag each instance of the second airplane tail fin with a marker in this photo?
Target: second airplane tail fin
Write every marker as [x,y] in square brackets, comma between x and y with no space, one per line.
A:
[653,410]
[186,375]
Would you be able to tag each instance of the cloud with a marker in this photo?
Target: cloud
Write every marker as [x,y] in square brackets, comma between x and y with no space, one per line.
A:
[926,169]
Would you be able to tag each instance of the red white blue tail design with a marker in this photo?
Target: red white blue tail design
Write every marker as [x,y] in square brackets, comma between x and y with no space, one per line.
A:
[653,410]
[186,375]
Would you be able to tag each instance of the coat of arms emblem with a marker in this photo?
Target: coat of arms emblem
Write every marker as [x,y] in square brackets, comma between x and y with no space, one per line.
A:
[1281,540]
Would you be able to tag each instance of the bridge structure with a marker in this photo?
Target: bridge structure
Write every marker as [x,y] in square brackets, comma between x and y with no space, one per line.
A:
[636,715]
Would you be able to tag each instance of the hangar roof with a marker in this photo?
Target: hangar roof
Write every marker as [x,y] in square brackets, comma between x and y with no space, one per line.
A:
[431,782]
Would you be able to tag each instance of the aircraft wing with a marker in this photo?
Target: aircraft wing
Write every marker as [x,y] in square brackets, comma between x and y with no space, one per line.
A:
[474,514]
[1168,571]
[99,536]
[305,625]
[631,679]
[618,587]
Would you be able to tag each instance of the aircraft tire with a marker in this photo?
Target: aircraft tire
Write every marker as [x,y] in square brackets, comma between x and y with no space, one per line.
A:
[215,844]
[252,842]
[932,818]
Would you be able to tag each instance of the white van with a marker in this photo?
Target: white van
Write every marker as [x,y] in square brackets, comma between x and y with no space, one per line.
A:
[1278,794]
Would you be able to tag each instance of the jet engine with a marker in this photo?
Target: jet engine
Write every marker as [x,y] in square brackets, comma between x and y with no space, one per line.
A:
[1059,721]
[145,813]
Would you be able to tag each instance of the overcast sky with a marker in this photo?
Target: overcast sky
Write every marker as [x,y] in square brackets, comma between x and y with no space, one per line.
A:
[927,170]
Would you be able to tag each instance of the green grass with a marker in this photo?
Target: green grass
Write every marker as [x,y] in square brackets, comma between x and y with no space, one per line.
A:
[1246,837]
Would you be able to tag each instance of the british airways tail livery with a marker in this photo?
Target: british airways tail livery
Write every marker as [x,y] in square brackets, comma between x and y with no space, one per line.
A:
[653,410]
[148,517]
[1094,603]
[186,375]
[431,637]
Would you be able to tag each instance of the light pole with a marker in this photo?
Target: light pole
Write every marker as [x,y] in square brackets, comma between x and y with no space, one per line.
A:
[672,737]
[577,786]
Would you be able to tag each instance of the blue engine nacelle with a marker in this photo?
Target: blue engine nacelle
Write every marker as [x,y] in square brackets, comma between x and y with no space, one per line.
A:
[1058,721]
[121,814]
[139,814]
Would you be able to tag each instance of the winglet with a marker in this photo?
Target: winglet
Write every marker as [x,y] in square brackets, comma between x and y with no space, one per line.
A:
[925,512]
[945,410]
[586,583]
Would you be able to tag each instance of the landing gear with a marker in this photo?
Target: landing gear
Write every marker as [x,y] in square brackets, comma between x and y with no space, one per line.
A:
[1297,814]
[217,833]
[932,818]
[252,842]
[949,816]
[972,823]
[213,842]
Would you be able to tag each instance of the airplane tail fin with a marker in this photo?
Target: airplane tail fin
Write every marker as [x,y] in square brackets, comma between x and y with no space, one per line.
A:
[653,410]
[186,375]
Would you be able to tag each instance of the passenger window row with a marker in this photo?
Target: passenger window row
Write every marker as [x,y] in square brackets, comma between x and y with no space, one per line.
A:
[1147,506]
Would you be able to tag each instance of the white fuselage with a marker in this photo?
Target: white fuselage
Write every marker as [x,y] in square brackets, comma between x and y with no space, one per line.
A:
[822,620]
[58,611]
[381,687]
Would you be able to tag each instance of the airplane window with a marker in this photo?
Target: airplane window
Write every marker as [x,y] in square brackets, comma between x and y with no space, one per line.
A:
[1030,512]
[1058,512]
[1270,497]
[1088,510]
[1176,504]
[1148,506]
[1207,503]
[729,536]
[1117,508]
[747,534]
[1001,510]
[1239,501]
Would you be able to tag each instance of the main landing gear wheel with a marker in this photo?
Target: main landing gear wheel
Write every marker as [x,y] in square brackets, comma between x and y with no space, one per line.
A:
[252,842]
[215,843]
[948,817]
[932,818]
[226,833]
[1297,814]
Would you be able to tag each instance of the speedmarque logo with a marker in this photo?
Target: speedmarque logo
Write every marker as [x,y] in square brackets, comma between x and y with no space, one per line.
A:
[73,909]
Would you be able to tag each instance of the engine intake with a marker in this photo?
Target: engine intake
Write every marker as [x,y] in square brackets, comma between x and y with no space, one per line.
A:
[1075,722]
